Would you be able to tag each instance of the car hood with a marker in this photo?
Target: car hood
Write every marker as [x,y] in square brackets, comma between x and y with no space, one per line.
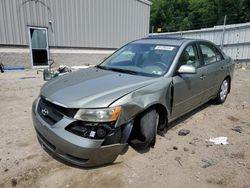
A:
[92,88]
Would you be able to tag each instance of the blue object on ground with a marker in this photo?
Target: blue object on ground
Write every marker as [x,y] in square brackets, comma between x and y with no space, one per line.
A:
[13,68]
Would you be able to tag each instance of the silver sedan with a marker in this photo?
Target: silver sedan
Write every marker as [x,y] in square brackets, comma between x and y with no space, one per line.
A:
[90,116]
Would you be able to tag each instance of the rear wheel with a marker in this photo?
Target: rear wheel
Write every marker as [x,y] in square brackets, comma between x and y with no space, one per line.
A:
[145,136]
[222,94]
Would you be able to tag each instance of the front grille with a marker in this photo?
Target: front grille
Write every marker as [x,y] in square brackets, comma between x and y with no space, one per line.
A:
[52,116]
[54,112]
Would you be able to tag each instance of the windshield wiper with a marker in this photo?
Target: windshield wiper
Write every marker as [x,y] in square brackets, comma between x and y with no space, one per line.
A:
[101,67]
[123,71]
[117,70]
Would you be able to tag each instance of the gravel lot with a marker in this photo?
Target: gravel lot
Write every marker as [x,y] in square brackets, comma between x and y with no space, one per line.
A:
[176,161]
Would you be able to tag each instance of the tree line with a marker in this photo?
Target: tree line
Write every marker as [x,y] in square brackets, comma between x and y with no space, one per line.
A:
[180,15]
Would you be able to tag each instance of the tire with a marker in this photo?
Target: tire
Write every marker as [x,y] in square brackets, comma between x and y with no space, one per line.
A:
[148,124]
[223,92]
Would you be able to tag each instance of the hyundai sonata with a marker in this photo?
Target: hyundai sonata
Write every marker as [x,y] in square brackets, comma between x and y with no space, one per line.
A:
[90,116]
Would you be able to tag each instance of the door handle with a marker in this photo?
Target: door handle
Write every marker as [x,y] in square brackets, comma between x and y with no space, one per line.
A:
[222,68]
[202,77]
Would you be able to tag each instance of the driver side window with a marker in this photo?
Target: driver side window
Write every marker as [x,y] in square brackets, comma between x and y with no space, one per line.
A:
[189,57]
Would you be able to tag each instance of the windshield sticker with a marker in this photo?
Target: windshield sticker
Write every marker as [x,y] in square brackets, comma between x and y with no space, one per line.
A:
[167,48]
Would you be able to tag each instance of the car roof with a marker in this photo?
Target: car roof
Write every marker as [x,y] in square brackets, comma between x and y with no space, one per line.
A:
[162,40]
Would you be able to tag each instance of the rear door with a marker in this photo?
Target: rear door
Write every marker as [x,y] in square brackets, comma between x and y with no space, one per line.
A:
[188,88]
[214,67]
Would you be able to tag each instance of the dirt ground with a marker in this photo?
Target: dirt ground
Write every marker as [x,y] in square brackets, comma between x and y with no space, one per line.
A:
[176,161]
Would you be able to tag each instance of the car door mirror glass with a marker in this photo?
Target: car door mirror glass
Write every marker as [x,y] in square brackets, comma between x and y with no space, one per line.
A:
[218,57]
[187,69]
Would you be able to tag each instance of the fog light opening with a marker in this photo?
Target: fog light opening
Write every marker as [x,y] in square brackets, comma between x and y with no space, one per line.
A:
[101,132]
[90,130]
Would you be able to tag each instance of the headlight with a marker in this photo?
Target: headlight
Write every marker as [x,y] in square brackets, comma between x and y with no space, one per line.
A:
[98,115]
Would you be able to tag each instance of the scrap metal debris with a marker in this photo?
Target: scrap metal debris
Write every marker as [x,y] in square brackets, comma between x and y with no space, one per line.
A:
[178,159]
[183,132]
[208,162]
[237,129]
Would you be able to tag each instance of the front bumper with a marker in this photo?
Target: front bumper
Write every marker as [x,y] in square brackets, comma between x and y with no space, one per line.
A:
[72,148]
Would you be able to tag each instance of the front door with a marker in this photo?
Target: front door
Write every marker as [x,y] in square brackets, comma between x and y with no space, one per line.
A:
[38,46]
[188,88]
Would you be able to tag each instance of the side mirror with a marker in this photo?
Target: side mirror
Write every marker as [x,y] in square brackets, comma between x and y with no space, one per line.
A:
[187,69]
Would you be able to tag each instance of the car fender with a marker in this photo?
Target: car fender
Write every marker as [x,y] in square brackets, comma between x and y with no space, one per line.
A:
[157,93]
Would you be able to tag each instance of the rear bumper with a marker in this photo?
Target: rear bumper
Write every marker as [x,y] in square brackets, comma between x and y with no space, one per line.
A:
[72,148]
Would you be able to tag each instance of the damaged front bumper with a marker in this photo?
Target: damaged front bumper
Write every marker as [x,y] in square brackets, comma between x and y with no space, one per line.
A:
[73,148]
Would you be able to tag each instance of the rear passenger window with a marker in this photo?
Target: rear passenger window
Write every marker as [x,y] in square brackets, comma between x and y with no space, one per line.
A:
[219,56]
[210,54]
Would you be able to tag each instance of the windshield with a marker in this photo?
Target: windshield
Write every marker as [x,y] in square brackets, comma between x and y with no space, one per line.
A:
[141,59]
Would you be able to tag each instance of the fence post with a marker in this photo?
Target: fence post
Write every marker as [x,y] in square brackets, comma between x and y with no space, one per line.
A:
[223,32]
[152,29]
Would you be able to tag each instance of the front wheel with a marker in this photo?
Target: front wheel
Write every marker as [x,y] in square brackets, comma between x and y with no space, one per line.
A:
[222,94]
[146,134]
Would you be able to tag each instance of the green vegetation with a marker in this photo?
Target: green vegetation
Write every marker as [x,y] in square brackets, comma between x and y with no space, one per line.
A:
[179,15]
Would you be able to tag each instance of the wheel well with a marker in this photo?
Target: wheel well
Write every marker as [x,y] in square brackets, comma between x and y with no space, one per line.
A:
[163,115]
[229,79]
[163,119]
